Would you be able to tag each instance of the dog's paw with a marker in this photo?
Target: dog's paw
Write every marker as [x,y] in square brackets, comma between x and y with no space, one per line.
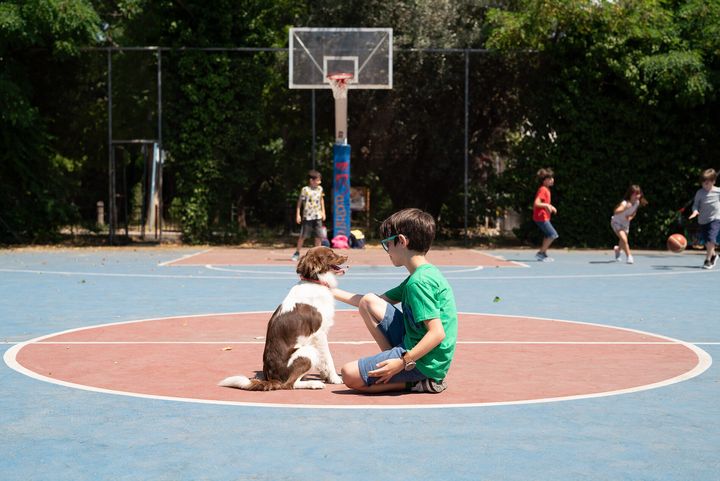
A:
[334,379]
[315,385]
[312,384]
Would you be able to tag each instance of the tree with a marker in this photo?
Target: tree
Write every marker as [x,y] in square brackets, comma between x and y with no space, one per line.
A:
[622,93]
[36,181]
[225,151]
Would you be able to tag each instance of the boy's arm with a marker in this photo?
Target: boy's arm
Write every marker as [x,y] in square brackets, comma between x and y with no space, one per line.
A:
[432,338]
[322,206]
[544,205]
[297,210]
[354,299]
[695,207]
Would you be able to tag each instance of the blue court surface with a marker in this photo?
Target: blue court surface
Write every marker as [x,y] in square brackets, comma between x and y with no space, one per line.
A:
[55,432]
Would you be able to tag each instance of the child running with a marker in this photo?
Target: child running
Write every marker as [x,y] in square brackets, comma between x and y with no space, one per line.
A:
[542,211]
[624,212]
[707,206]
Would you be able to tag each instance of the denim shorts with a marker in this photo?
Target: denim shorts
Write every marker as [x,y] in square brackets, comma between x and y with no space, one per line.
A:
[709,232]
[311,228]
[393,328]
[547,229]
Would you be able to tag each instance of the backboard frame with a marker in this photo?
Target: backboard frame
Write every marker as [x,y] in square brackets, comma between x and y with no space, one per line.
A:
[315,53]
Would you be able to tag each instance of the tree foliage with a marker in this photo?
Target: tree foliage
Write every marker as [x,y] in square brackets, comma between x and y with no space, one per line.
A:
[607,92]
[35,179]
[623,93]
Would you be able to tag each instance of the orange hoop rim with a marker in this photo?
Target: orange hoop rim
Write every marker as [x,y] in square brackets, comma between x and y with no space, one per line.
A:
[340,77]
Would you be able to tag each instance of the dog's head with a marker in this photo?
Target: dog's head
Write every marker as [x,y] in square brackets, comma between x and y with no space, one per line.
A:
[321,264]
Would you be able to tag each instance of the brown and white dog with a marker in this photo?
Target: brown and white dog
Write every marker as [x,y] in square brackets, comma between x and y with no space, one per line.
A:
[297,334]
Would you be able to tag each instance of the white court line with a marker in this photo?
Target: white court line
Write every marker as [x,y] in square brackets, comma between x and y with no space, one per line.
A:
[187,256]
[501,258]
[704,363]
[350,273]
[369,276]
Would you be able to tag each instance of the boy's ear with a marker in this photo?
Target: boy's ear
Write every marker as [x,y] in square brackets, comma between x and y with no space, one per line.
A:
[404,241]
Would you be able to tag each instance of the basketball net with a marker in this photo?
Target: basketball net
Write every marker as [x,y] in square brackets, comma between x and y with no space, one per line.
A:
[338,83]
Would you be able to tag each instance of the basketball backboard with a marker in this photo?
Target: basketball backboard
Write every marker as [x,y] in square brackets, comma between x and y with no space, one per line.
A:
[316,53]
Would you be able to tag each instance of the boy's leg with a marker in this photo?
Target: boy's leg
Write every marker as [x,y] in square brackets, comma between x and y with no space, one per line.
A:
[546,244]
[713,234]
[351,377]
[356,374]
[373,309]
[300,241]
[549,235]
[709,234]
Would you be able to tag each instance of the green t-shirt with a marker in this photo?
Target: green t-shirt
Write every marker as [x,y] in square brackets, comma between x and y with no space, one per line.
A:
[427,295]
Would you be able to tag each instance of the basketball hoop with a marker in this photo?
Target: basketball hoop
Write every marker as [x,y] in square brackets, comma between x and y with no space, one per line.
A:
[338,83]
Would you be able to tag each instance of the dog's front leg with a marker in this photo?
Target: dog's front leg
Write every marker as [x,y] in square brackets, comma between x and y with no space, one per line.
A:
[327,367]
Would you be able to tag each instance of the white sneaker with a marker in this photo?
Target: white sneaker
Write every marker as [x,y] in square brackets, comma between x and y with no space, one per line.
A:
[295,256]
[616,249]
[630,260]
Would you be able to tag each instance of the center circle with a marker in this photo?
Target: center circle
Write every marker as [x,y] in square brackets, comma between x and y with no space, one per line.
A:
[498,360]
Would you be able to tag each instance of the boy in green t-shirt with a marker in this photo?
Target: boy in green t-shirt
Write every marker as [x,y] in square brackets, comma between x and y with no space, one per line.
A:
[418,342]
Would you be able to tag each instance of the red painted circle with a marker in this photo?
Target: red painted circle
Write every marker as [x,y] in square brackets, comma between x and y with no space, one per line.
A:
[499,359]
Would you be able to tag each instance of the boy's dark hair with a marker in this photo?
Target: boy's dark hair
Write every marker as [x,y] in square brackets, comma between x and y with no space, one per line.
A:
[416,225]
[708,174]
[314,174]
[543,174]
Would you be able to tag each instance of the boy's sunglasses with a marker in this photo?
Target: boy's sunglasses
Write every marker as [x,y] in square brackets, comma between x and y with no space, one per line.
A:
[384,243]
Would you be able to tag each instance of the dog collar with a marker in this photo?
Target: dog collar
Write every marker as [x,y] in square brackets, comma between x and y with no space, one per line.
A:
[322,283]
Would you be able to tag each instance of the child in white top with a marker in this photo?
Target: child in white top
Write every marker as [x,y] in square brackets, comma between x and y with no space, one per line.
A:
[706,207]
[624,212]
[310,212]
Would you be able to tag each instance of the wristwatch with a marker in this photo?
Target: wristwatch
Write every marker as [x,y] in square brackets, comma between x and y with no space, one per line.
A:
[409,363]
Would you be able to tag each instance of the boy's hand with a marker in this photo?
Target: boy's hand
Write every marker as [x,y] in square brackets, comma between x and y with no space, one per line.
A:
[298,220]
[552,209]
[387,369]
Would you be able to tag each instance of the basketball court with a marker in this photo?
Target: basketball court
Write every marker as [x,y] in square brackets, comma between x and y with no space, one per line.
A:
[583,368]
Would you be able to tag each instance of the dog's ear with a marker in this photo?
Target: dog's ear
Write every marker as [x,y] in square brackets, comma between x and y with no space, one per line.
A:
[311,264]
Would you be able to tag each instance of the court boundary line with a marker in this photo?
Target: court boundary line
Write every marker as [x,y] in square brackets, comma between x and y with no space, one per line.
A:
[502,258]
[694,271]
[171,262]
[186,256]
[704,361]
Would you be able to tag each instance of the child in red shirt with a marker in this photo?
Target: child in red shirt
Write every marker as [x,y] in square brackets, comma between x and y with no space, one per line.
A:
[542,210]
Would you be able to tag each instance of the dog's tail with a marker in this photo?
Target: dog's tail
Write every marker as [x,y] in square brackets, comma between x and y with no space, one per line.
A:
[242,382]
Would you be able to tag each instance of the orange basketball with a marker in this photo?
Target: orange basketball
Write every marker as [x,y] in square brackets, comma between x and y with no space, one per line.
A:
[676,243]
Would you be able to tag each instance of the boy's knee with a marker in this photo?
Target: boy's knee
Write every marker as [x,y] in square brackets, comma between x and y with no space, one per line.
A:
[370,302]
[374,305]
[351,376]
[369,298]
